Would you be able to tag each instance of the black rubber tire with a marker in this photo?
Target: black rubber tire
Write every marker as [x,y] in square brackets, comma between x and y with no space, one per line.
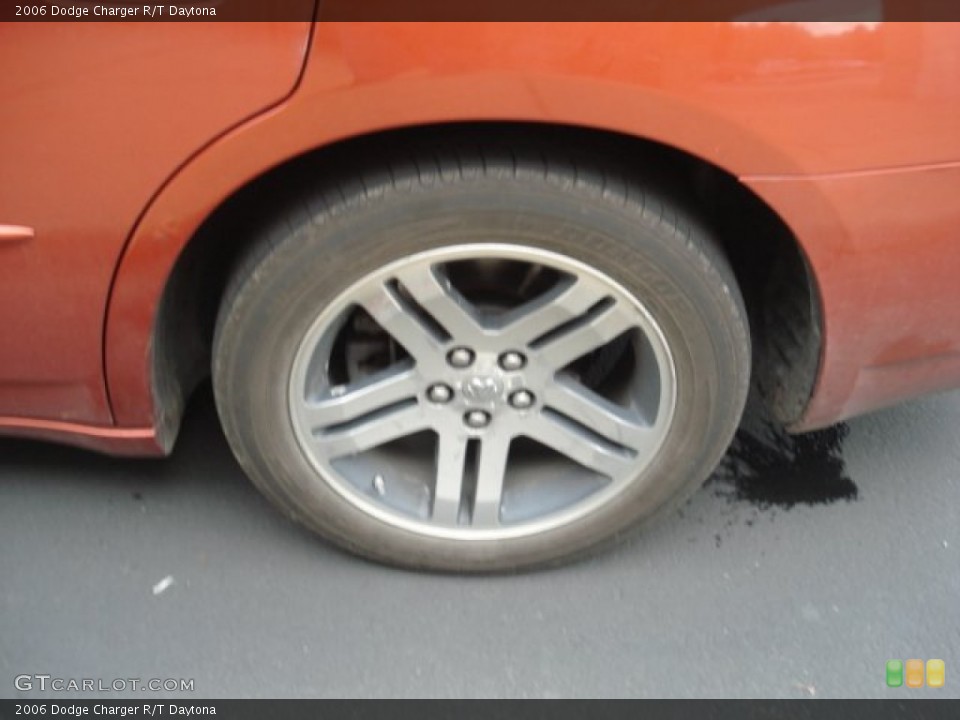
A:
[579,207]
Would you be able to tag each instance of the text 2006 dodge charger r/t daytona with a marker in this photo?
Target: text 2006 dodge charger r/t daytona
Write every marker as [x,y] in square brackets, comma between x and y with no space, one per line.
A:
[474,296]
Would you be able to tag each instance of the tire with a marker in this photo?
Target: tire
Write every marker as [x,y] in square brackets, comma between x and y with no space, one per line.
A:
[364,316]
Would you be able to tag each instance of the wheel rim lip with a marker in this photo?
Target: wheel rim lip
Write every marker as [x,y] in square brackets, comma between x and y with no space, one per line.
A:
[328,475]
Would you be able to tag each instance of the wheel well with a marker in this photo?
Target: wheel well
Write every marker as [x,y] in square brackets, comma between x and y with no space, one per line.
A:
[771,269]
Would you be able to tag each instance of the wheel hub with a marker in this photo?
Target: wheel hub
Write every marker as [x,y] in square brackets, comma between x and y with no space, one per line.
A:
[482,389]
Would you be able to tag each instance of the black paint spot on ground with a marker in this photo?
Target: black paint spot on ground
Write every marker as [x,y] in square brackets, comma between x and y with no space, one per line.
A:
[768,467]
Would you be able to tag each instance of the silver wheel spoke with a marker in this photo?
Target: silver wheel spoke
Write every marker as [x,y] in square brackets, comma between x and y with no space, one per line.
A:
[608,324]
[394,317]
[603,417]
[566,439]
[443,302]
[547,312]
[448,486]
[377,430]
[373,393]
[491,469]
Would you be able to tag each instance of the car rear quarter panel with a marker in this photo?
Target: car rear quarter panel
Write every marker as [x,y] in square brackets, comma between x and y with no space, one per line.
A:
[94,118]
[885,246]
[848,130]
[823,121]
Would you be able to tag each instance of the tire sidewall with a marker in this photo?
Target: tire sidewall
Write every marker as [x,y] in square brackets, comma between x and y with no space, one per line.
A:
[334,245]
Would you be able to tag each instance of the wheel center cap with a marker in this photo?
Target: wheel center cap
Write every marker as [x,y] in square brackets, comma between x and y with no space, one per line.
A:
[482,388]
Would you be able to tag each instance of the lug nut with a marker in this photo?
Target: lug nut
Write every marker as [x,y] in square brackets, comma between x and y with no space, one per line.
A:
[521,399]
[439,393]
[477,419]
[460,357]
[512,360]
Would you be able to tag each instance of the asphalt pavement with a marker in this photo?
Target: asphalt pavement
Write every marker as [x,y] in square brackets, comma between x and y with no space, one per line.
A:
[798,571]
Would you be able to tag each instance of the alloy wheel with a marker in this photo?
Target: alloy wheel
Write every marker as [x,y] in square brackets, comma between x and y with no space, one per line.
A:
[482,391]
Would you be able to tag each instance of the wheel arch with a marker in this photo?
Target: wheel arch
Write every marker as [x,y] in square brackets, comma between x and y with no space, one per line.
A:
[175,266]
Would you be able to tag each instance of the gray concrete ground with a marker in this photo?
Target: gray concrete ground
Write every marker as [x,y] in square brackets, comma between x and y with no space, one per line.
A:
[742,594]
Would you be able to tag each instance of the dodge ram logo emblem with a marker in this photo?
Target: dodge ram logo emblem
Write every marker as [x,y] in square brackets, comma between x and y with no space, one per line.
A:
[482,388]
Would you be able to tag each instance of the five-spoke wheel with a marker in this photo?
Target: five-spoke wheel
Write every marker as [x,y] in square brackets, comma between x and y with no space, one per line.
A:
[497,363]
[478,375]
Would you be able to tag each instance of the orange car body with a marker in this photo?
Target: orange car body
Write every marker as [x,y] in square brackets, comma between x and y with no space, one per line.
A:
[118,141]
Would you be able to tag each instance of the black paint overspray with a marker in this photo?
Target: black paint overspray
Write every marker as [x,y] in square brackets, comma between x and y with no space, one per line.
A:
[768,467]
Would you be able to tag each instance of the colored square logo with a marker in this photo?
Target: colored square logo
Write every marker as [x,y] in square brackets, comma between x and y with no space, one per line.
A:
[894,673]
[914,673]
[936,672]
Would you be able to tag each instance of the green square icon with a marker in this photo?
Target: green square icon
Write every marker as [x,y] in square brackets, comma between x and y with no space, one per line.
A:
[894,673]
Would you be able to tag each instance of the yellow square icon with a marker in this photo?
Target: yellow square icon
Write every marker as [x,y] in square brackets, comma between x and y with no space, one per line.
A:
[914,673]
[935,673]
